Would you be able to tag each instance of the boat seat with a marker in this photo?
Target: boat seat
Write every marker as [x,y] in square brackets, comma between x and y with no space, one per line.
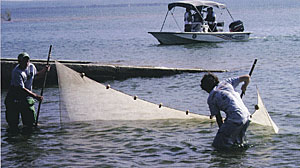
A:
[220,26]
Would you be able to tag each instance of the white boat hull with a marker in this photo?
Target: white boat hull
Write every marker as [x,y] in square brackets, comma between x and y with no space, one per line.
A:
[198,37]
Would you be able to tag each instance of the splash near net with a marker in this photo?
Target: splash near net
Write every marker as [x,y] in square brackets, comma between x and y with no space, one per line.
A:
[261,115]
[83,99]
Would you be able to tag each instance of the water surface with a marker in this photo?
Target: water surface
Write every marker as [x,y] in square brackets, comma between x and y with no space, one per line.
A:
[115,32]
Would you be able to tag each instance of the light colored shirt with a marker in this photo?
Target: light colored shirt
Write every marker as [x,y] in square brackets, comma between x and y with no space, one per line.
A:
[225,98]
[31,72]
[18,77]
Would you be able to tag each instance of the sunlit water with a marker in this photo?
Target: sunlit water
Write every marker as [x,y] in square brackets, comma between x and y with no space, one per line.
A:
[116,32]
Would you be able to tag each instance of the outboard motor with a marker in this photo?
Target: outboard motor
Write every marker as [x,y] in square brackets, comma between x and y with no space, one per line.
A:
[236,26]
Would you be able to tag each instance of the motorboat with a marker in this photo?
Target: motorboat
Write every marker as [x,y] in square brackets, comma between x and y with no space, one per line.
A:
[202,29]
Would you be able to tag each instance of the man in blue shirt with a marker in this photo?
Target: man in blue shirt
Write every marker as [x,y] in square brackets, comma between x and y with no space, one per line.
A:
[19,98]
[224,97]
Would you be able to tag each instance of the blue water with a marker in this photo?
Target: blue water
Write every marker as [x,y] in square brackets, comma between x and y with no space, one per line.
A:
[115,32]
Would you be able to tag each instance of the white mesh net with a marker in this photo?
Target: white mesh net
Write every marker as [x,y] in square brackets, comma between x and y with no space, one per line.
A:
[261,115]
[84,99]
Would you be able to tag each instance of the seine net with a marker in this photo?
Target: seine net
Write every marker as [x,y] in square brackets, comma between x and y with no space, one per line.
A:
[82,99]
[261,115]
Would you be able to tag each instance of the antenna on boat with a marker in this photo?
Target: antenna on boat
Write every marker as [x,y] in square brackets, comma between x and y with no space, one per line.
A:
[230,14]
[175,21]
[164,21]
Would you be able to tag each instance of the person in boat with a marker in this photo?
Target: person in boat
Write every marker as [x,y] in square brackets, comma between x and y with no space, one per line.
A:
[20,99]
[211,20]
[188,20]
[198,20]
[224,97]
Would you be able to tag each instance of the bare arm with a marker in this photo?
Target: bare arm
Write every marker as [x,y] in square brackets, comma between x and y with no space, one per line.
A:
[42,72]
[219,119]
[31,94]
[246,80]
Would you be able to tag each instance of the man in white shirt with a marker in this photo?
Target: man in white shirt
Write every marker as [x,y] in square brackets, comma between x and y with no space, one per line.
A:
[31,71]
[224,97]
[19,99]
